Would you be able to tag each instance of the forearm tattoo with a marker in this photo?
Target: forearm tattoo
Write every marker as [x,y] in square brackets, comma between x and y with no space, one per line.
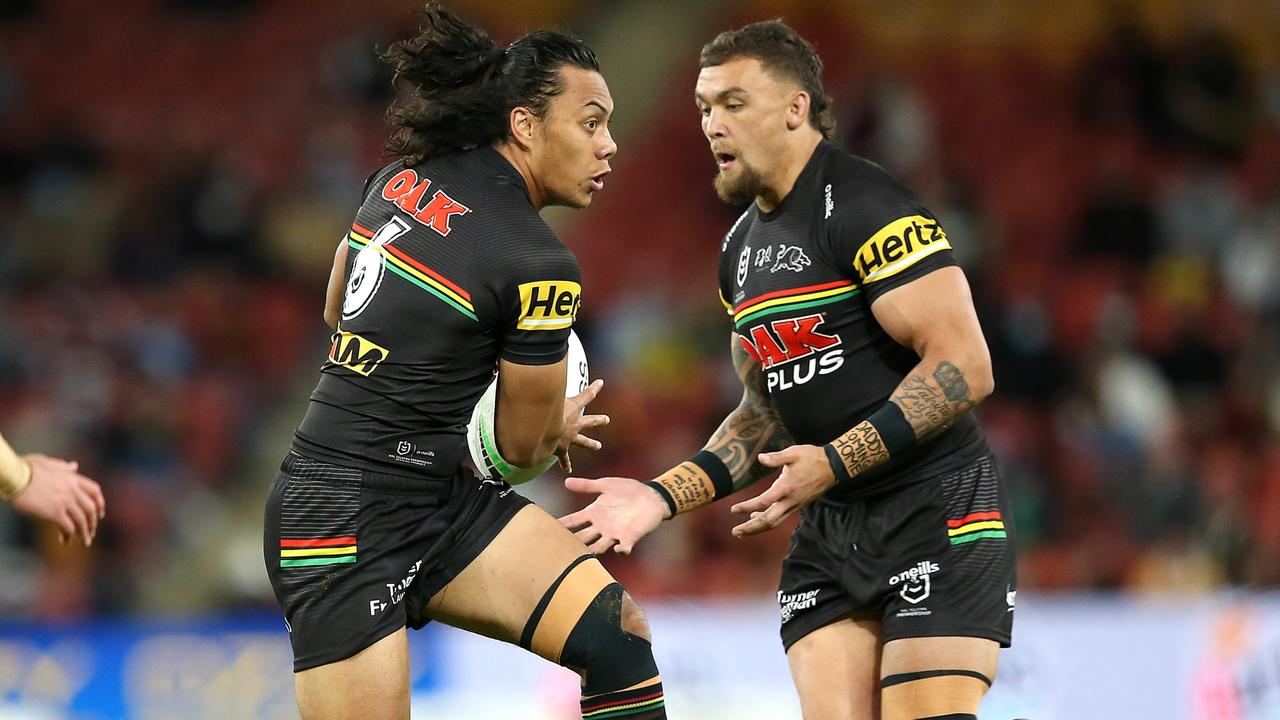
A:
[930,405]
[752,428]
[861,448]
[688,485]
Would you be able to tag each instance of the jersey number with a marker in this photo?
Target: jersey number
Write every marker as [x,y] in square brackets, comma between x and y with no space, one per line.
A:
[368,269]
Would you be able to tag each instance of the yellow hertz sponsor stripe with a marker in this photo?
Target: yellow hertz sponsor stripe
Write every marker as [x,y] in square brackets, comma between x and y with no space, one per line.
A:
[791,299]
[312,552]
[899,245]
[444,289]
[906,262]
[974,527]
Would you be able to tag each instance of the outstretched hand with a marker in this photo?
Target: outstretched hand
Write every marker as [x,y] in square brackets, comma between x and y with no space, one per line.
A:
[806,475]
[624,511]
[575,422]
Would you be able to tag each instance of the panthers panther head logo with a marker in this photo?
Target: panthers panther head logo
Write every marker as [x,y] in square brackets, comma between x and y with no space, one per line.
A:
[791,257]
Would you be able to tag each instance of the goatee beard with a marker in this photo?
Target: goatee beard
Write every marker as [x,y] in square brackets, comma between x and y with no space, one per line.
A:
[743,189]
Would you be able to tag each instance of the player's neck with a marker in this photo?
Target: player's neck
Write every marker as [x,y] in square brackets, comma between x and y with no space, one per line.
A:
[520,161]
[794,159]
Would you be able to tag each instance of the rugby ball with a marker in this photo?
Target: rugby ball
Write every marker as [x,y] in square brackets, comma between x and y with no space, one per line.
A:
[482,441]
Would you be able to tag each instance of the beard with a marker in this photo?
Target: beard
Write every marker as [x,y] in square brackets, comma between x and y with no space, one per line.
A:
[743,188]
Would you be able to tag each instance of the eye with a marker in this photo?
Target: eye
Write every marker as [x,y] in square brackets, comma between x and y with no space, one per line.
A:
[592,124]
[734,106]
[704,110]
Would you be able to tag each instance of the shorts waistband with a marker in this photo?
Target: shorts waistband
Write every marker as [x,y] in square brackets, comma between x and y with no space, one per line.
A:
[295,462]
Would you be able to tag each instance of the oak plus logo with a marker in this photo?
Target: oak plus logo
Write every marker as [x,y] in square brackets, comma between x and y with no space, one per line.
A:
[793,351]
[915,582]
[407,191]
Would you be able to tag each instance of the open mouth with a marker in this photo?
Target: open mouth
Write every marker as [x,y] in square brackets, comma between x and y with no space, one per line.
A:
[597,181]
[725,160]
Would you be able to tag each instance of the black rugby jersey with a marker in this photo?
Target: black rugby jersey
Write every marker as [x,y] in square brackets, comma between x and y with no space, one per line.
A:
[449,268]
[799,283]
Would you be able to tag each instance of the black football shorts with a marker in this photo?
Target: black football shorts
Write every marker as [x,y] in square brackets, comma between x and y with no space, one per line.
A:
[355,555]
[935,559]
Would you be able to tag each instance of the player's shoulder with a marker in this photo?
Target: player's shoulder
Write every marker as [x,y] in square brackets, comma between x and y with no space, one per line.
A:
[858,191]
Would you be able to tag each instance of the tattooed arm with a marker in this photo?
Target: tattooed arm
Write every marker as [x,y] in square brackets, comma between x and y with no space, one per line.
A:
[932,315]
[751,428]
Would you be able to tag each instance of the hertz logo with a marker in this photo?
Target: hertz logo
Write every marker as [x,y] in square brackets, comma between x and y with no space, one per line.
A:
[899,245]
[549,304]
[355,353]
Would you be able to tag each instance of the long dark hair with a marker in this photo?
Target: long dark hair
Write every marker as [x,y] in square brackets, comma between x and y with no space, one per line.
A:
[456,86]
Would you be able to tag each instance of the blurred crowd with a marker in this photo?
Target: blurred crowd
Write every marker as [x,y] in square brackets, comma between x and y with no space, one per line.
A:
[175,175]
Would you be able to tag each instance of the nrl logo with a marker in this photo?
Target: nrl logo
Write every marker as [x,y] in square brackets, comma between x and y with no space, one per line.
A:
[791,257]
[915,582]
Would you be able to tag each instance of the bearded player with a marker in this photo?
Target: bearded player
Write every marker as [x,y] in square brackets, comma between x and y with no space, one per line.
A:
[861,355]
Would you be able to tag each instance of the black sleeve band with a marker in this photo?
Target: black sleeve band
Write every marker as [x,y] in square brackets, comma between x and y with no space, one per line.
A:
[665,495]
[715,469]
[837,464]
[896,433]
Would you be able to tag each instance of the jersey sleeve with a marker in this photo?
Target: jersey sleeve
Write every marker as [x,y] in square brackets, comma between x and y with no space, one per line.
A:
[881,234]
[540,294]
[726,270]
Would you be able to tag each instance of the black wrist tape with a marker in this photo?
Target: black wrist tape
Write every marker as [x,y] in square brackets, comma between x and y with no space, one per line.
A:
[665,495]
[837,464]
[715,469]
[895,432]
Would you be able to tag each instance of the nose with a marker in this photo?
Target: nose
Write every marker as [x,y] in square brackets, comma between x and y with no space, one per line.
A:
[712,126]
[608,148]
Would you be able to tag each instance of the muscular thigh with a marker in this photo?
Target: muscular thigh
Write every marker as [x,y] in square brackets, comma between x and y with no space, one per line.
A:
[497,593]
[936,676]
[836,670]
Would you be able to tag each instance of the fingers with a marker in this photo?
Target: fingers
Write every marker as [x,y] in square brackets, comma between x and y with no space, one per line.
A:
[763,521]
[80,519]
[562,455]
[586,442]
[586,422]
[780,458]
[90,508]
[624,547]
[588,535]
[760,502]
[585,397]
[574,521]
[584,485]
[66,527]
[601,546]
[95,492]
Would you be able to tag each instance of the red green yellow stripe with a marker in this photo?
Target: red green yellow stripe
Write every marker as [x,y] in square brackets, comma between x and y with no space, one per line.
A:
[622,708]
[420,275]
[306,552]
[976,526]
[800,298]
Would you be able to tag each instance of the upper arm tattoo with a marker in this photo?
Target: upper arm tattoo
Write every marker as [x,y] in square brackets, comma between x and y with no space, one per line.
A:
[931,406]
[752,428]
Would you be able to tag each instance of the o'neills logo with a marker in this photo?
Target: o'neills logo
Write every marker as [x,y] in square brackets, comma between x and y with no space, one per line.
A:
[915,582]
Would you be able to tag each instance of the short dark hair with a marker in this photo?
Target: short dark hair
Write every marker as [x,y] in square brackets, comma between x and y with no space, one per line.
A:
[457,87]
[783,53]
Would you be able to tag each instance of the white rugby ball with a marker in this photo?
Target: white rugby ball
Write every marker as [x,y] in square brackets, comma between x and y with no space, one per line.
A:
[481,440]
